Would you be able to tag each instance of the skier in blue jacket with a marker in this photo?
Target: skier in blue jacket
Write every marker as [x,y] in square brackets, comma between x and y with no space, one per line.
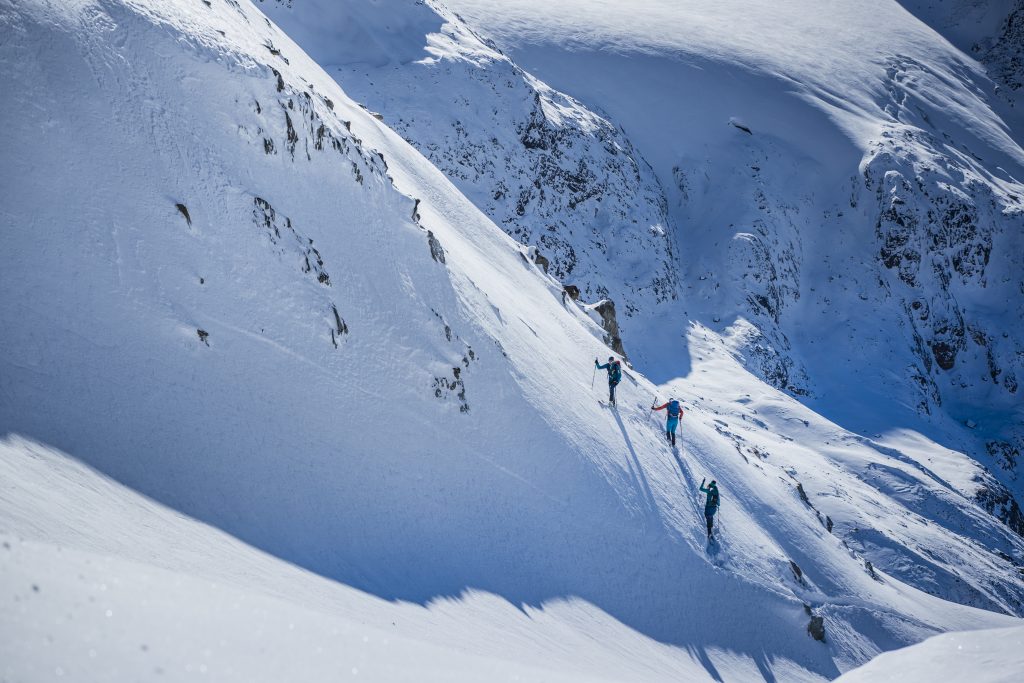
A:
[711,506]
[614,369]
[675,411]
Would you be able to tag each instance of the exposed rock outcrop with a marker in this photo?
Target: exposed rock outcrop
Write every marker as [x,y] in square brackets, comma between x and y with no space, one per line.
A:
[1004,57]
[997,501]
[606,310]
[549,171]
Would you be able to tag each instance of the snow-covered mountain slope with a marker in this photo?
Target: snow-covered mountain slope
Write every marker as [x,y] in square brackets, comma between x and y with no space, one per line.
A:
[141,592]
[991,31]
[231,289]
[843,188]
[988,656]
[547,170]
[1004,56]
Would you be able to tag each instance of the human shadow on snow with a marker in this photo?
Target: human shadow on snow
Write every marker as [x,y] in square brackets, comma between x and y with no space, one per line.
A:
[472,531]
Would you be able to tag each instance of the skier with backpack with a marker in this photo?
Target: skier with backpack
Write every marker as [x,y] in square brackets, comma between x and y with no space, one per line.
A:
[711,506]
[614,369]
[675,411]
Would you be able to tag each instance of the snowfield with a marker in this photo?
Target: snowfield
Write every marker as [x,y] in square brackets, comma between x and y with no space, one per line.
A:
[989,656]
[285,395]
[123,588]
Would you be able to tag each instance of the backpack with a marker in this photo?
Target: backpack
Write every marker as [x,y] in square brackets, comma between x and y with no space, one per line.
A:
[713,502]
[616,374]
[674,409]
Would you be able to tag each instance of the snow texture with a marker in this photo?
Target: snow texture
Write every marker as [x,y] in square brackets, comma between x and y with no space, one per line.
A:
[266,363]
[547,170]
[987,656]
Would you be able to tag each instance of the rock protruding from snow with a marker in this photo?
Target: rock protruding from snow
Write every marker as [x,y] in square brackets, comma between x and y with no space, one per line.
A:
[549,171]
[1004,57]
[816,627]
[605,311]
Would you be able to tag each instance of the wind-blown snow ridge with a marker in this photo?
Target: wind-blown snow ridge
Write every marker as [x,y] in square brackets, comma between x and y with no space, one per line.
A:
[263,308]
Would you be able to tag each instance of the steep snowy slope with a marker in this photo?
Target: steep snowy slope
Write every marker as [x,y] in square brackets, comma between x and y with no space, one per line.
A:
[872,212]
[231,289]
[991,31]
[547,170]
[842,185]
[792,263]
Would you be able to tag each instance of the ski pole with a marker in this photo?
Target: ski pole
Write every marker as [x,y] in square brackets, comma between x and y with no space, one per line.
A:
[593,376]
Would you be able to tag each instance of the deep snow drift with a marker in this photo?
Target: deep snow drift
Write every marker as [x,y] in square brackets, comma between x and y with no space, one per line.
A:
[235,291]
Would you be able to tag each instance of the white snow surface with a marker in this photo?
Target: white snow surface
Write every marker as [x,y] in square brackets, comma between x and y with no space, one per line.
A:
[986,656]
[838,184]
[861,116]
[305,411]
[100,583]
[550,172]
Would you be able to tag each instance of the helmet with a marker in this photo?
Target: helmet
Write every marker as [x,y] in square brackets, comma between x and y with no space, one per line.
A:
[611,358]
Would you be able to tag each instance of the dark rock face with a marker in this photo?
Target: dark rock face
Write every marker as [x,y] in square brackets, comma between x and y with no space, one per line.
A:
[547,170]
[816,628]
[540,260]
[997,501]
[1004,453]
[288,241]
[606,309]
[436,251]
[798,573]
[951,252]
[937,241]
[1004,57]
[183,210]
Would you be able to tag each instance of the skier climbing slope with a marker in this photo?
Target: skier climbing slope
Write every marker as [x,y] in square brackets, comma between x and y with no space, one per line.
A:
[675,411]
[500,516]
[711,506]
[614,369]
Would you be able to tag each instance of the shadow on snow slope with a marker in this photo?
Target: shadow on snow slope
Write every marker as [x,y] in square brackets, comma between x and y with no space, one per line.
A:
[420,447]
[429,443]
